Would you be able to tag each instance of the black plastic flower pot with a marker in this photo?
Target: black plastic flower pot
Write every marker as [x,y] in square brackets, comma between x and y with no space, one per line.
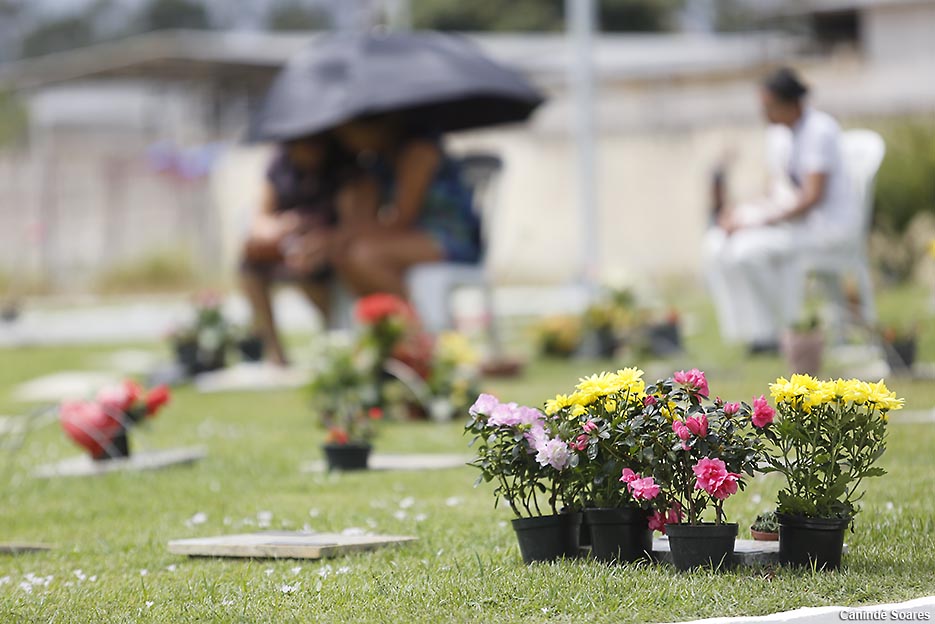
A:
[817,542]
[251,349]
[619,534]
[702,545]
[186,354]
[118,448]
[547,538]
[346,456]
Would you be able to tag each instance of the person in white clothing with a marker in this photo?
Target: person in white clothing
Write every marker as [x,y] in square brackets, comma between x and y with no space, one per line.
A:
[751,251]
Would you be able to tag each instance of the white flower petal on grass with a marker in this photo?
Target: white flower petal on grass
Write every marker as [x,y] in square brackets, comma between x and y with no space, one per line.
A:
[268,571]
[889,505]
[4,579]
[502,524]
[296,569]
[199,518]
[149,603]
[756,498]
[325,571]
[264,519]
[453,501]
[343,570]
[314,513]
[289,589]
[79,574]
[353,531]
[399,514]
[26,586]
[407,502]
[144,572]
[171,568]
[93,579]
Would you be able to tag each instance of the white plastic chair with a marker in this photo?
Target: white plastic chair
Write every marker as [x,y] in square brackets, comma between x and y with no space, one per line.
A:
[863,151]
[432,285]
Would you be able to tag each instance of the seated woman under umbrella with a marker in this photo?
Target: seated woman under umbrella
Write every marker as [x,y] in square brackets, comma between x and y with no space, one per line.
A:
[294,232]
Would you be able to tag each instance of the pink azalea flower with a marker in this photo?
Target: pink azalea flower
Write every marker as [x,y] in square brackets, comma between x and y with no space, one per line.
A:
[581,442]
[554,453]
[536,437]
[628,475]
[683,432]
[686,447]
[694,380]
[731,408]
[697,424]
[484,404]
[645,488]
[649,400]
[763,414]
[657,522]
[674,515]
[589,427]
[711,476]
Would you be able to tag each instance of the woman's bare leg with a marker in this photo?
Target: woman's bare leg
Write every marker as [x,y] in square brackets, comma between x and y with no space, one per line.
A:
[319,294]
[378,262]
[258,290]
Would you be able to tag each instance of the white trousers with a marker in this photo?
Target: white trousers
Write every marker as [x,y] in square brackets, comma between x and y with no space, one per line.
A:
[755,280]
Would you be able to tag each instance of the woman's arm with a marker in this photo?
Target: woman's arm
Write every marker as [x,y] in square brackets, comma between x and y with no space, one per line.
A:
[416,166]
[813,190]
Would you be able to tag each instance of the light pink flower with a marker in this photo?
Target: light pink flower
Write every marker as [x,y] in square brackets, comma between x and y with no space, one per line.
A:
[731,408]
[589,427]
[681,430]
[536,437]
[694,380]
[763,414]
[711,476]
[697,424]
[554,453]
[628,475]
[484,404]
[504,415]
[645,488]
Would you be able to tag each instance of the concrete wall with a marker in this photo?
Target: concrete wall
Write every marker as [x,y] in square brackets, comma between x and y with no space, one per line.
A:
[899,32]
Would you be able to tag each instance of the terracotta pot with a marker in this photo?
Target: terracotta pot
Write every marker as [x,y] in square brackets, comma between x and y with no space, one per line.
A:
[764,536]
[803,351]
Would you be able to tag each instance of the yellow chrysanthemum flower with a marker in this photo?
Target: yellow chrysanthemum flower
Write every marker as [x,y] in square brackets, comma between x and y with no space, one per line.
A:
[583,399]
[599,384]
[610,405]
[856,391]
[560,402]
[578,410]
[883,398]
[789,390]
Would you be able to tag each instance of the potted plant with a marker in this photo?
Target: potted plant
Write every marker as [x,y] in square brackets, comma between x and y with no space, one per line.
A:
[766,527]
[825,441]
[700,460]
[452,378]
[249,344]
[100,426]
[558,336]
[899,347]
[803,345]
[201,346]
[520,450]
[607,434]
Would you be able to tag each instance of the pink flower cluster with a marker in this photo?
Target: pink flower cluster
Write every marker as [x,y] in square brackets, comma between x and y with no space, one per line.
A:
[658,521]
[641,488]
[549,451]
[711,476]
[697,425]
[763,414]
[694,380]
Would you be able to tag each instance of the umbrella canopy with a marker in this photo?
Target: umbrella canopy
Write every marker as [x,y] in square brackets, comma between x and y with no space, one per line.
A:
[443,81]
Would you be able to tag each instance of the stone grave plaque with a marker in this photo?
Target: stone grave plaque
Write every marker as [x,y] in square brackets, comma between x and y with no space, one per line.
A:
[84,466]
[401,461]
[283,545]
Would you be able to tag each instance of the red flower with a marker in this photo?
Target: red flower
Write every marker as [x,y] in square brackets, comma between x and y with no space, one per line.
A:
[336,435]
[375,413]
[89,425]
[375,308]
[156,398]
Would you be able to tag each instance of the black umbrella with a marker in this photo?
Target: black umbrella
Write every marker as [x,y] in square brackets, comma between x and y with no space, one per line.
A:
[444,82]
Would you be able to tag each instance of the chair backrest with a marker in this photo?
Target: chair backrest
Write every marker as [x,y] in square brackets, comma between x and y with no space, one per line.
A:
[863,151]
[481,171]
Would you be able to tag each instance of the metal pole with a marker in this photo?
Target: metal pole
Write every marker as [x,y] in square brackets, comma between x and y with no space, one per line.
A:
[580,22]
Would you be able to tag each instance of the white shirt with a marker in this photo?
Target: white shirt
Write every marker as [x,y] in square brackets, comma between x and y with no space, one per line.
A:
[813,145]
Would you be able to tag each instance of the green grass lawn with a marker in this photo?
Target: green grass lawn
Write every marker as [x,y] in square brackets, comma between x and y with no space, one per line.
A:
[111,562]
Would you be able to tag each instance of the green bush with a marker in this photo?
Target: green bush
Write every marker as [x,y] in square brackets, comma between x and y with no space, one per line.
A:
[906,181]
